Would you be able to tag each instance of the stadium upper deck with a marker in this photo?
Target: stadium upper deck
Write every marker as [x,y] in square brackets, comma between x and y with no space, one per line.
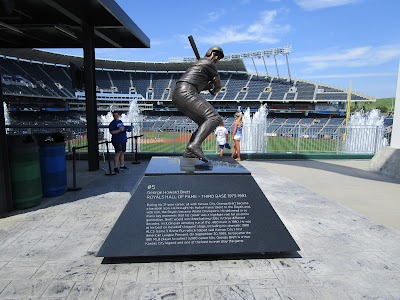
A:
[38,80]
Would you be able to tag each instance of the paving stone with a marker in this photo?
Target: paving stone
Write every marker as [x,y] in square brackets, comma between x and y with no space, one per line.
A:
[330,294]
[84,290]
[265,283]
[231,276]
[106,290]
[139,291]
[3,284]
[84,273]
[369,294]
[232,292]
[48,270]
[292,278]
[266,294]
[201,278]
[196,293]
[302,293]
[259,264]
[58,289]
[197,266]
[148,274]
[18,289]
[16,273]
[170,272]
[126,273]
[258,274]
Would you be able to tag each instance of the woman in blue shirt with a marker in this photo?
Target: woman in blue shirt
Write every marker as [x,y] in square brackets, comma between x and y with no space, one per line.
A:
[118,140]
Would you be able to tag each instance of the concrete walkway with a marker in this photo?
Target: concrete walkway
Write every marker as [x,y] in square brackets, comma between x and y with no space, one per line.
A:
[49,252]
[348,182]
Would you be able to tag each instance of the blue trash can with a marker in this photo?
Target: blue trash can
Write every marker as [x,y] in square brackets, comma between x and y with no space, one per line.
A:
[53,165]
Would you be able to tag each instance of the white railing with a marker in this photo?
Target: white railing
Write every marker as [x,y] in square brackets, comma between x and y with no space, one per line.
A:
[271,139]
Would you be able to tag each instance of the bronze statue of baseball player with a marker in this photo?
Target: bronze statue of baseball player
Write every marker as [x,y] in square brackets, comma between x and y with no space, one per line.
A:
[202,75]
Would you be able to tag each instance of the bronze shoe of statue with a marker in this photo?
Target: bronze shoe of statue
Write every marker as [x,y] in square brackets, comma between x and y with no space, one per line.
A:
[197,151]
[188,154]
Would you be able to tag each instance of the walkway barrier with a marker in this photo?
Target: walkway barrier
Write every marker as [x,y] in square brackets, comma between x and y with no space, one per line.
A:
[279,138]
[74,186]
[26,184]
[136,147]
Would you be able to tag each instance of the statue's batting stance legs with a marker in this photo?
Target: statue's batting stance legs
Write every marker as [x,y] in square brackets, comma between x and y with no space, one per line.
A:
[188,101]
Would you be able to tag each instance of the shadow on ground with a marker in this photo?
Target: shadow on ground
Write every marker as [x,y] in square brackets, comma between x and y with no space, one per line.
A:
[92,183]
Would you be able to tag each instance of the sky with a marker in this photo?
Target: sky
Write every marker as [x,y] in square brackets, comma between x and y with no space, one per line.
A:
[334,42]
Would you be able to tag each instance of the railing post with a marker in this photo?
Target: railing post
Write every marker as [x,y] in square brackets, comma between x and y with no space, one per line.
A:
[376,139]
[174,138]
[132,134]
[109,162]
[74,188]
[298,139]
[136,146]
[337,140]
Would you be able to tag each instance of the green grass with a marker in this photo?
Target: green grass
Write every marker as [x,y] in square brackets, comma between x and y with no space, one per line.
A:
[286,144]
[157,142]
[383,104]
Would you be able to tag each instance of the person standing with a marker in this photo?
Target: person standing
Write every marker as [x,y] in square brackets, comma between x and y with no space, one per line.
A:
[237,135]
[202,75]
[222,137]
[118,140]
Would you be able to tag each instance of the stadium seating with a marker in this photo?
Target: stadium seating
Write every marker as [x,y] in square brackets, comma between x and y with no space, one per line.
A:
[33,80]
[121,81]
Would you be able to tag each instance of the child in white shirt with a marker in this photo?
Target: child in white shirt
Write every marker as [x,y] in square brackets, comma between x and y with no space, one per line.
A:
[222,136]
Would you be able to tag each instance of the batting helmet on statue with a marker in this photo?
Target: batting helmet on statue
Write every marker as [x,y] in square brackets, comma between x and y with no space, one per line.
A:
[218,51]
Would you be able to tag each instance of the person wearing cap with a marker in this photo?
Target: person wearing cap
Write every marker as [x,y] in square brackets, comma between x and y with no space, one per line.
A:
[237,135]
[202,75]
[118,140]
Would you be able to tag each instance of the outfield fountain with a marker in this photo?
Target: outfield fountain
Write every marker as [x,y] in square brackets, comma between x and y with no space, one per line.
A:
[254,129]
[365,132]
[7,119]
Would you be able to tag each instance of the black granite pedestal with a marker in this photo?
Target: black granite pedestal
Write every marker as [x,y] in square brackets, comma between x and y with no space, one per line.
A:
[178,210]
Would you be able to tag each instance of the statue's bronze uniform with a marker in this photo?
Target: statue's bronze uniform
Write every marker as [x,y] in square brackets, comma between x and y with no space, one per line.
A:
[202,75]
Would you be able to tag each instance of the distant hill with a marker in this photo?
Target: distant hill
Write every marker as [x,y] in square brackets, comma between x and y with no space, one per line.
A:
[385,105]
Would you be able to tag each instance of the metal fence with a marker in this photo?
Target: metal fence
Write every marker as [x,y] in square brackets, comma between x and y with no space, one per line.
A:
[270,139]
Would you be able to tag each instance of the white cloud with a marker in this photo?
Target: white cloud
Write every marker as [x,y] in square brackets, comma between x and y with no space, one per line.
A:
[320,4]
[352,75]
[215,15]
[264,30]
[358,57]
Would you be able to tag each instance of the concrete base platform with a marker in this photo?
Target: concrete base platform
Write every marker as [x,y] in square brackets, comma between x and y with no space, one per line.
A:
[387,162]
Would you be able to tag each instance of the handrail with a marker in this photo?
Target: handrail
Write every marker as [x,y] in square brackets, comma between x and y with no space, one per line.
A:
[74,187]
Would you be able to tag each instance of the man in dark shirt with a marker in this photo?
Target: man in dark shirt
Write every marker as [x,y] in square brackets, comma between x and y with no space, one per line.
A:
[202,75]
[118,140]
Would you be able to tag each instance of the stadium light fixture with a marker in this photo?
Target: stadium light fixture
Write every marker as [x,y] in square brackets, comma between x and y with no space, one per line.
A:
[252,54]
[65,30]
[10,27]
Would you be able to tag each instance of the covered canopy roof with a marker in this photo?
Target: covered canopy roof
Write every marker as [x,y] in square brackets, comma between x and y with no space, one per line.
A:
[236,65]
[58,24]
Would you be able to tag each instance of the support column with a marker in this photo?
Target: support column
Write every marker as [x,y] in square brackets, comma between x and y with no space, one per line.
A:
[395,141]
[5,181]
[90,94]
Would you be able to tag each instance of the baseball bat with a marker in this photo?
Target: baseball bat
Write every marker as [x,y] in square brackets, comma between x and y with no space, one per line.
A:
[194,47]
